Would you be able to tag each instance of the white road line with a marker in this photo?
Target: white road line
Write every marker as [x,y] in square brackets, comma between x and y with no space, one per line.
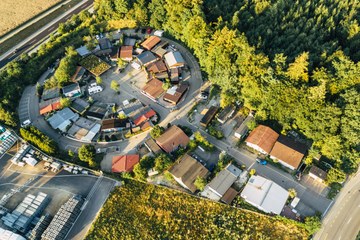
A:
[19,185]
[251,166]
[349,220]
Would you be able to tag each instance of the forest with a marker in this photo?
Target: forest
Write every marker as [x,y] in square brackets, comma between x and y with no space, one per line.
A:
[145,211]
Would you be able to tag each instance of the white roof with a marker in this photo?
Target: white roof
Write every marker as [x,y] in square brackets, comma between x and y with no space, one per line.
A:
[265,194]
[61,119]
[295,202]
[223,181]
[8,235]
[173,58]
[92,132]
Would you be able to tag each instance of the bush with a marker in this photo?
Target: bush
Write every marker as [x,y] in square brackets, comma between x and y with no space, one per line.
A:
[200,183]
[334,190]
[205,144]
[40,140]
[156,131]
[86,154]
[215,132]
[162,162]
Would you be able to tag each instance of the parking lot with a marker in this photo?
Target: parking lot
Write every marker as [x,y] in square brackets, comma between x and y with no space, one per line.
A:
[24,105]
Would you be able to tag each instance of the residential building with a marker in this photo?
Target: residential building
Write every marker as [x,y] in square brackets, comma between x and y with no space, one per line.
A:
[97,111]
[226,113]
[80,106]
[186,171]
[161,75]
[50,94]
[151,145]
[288,152]
[131,108]
[217,188]
[317,174]
[49,105]
[265,194]
[124,163]
[229,196]
[114,125]
[150,42]
[84,129]
[115,54]
[144,117]
[153,89]
[72,90]
[243,129]
[174,59]
[173,95]
[157,67]
[172,139]
[62,119]
[129,41]
[105,47]
[159,50]
[262,139]
[146,57]
[126,53]
[175,75]
[79,73]
[83,51]
[209,115]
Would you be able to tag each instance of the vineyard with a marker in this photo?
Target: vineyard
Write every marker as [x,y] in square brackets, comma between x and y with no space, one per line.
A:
[140,211]
[94,65]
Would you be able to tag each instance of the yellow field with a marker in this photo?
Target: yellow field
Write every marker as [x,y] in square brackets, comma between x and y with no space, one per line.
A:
[15,12]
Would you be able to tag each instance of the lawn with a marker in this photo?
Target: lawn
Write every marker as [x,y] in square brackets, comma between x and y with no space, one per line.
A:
[143,211]
[94,65]
[15,12]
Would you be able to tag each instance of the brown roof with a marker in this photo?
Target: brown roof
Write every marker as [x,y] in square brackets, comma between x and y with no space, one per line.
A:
[124,163]
[187,170]
[175,98]
[288,151]
[154,88]
[172,138]
[156,67]
[150,143]
[150,42]
[264,137]
[318,172]
[229,195]
[126,52]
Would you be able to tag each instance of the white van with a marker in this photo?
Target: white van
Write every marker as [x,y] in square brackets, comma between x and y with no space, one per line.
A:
[159,33]
[93,90]
[26,123]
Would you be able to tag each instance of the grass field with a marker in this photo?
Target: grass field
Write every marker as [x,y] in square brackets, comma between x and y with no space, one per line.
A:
[15,12]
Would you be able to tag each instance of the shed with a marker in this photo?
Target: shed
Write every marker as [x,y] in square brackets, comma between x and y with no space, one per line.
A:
[150,42]
[226,113]
[317,174]
[210,114]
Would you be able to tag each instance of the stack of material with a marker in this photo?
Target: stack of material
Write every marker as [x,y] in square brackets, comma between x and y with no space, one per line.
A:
[63,220]
[40,227]
[26,211]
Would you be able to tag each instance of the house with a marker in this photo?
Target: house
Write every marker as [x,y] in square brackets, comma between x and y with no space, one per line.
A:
[226,113]
[97,111]
[131,108]
[217,188]
[115,54]
[105,47]
[317,174]
[94,88]
[124,163]
[83,51]
[50,94]
[153,89]
[146,57]
[174,59]
[80,106]
[288,152]
[265,194]
[72,90]
[79,73]
[175,75]
[150,42]
[262,139]
[84,129]
[243,129]
[151,145]
[161,75]
[49,105]
[157,67]
[173,95]
[159,50]
[144,117]
[129,41]
[229,196]
[172,139]
[62,119]
[114,125]
[210,114]
[126,53]
[186,171]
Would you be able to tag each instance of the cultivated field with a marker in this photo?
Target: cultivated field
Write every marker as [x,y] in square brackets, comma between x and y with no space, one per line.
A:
[15,12]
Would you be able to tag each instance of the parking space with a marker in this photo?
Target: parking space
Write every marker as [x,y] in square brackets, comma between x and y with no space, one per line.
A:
[210,159]
[24,105]
[315,185]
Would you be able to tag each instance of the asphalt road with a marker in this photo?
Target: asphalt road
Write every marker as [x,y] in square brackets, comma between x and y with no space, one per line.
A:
[343,220]
[39,36]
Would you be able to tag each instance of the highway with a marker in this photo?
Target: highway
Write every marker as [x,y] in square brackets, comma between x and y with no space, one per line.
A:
[343,220]
[37,37]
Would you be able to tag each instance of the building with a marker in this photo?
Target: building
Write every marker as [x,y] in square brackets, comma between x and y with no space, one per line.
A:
[49,105]
[172,139]
[288,152]
[153,89]
[262,139]
[129,41]
[80,106]
[144,117]
[186,171]
[83,51]
[229,196]
[9,235]
[173,95]
[50,94]
[62,119]
[157,67]
[105,47]
[265,194]
[126,53]
[217,188]
[132,108]
[79,73]
[72,90]
[175,75]
[97,111]
[317,174]
[161,75]
[124,163]
[114,125]
[159,50]
[115,54]
[174,59]
[151,145]
[210,114]
[146,57]
[7,140]
[150,42]
[84,129]
[94,88]
[226,113]
[243,129]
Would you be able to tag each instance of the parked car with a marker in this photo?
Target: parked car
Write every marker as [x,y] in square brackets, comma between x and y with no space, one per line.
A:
[261,161]
[26,123]
[149,30]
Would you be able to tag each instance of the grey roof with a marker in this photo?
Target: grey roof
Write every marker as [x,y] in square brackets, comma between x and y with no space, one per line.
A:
[226,112]
[173,58]
[79,105]
[223,181]
[61,117]
[70,88]
[131,107]
[104,43]
[83,51]
[97,110]
[129,41]
[50,93]
[243,128]
[146,57]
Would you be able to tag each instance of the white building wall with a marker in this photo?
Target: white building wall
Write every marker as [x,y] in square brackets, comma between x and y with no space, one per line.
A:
[283,163]
[256,147]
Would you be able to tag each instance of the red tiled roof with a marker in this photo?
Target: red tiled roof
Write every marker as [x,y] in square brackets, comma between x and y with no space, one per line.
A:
[150,113]
[124,163]
[172,138]
[150,42]
[52,106]
[154,88]
[140,120]
[145,126]
[264,137]
[126,52]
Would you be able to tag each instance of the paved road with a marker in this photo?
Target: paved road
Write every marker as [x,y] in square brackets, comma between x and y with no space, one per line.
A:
[24,47]
[343,220]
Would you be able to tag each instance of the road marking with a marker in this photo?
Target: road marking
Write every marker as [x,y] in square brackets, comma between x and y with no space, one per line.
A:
[251,166]
[349,220]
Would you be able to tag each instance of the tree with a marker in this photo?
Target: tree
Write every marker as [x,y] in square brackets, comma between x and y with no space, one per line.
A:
[40,140]
[200,183]
[292,192]
[99,80]
[67,67]
[115,86]
[86,153]
[312,224]
[71,153]
[121,63]
[156,131]
[65,102]
[335,175]
[252,171]
[251,125]
[162,162]
[166,85]
[298,70]
[122,116]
